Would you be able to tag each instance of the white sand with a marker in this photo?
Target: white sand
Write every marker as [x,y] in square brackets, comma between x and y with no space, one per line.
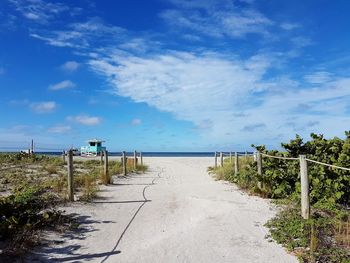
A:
[189,217]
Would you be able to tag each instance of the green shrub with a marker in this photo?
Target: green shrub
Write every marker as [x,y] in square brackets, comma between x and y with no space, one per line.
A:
[312,240]
[26,209]
[325,237]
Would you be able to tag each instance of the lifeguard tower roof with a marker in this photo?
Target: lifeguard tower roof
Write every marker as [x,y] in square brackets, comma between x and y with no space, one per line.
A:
[95,140]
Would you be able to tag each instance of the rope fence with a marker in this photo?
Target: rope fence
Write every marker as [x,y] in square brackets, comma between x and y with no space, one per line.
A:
[279,157]
[304,178]
[329,165]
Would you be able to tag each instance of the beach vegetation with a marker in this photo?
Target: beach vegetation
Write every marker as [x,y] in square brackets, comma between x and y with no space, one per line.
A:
[323,238]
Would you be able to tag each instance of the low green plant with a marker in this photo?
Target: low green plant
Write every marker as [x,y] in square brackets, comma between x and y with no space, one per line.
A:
[313,240]
[25,209]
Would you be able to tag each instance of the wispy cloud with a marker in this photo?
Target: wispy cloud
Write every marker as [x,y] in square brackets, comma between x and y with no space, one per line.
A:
[85,120]
[43,107]
[38,10]
[19,102]
[318,77]
[217,18]
[65,84]
[254,127]
[70,66]
[81,35]
[301,41]
[60,129]
[289,26]
[136,122]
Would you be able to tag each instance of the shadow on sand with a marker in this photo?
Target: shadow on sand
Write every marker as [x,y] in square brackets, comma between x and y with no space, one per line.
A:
[50,252]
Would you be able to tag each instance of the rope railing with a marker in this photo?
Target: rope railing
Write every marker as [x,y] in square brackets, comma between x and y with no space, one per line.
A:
[279,157]
[304,178]
[309,160]
[305,198]
[329,165]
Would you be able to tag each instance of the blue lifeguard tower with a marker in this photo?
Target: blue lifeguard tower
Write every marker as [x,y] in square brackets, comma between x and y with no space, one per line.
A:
[95,148]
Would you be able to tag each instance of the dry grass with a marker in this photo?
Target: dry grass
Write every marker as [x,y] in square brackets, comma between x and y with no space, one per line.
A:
[342,233]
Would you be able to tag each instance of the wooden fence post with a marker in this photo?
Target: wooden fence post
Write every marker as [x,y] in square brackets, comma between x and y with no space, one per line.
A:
[105,170]
[304,179]
[101,155]
[216,160]
[32,148]
[222,159]
[64,157]
[236,163]
[141,158]
[246,155]
[124,163]
[135,160]
[70,175]
[259,165]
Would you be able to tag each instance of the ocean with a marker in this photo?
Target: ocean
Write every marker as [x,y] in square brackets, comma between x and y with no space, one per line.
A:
[159,154]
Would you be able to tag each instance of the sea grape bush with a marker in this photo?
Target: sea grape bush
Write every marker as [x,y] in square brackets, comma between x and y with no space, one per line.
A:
[281,177]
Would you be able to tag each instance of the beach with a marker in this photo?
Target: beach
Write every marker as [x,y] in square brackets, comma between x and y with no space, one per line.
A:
[175,212]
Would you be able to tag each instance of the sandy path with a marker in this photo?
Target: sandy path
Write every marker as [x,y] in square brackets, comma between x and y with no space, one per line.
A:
[188,217]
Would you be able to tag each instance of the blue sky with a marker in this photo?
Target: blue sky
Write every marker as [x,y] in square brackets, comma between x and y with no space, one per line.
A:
[172,75]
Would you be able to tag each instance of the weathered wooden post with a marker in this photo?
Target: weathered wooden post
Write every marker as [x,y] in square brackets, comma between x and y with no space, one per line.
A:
[216,159]
[124,163]
[32,147]
[246,155]
[236,163]
[222,159]
[64,157]
[135,160]
[101,155]
[105,170]
[304,179]
[259,165]
[70,175]
[141,158]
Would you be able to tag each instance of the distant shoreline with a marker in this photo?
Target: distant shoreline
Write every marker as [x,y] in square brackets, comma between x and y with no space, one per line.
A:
[151,154]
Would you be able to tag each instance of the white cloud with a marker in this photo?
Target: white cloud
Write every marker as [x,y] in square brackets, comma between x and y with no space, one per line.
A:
[199,88]
[70,66]
[217,19]
[66,84]
[289,26]
[227,97]
[38,10]
[136,122]
[43,107]
[301,41]
[82,35]
[60,129]
[85,120]
[318,77]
